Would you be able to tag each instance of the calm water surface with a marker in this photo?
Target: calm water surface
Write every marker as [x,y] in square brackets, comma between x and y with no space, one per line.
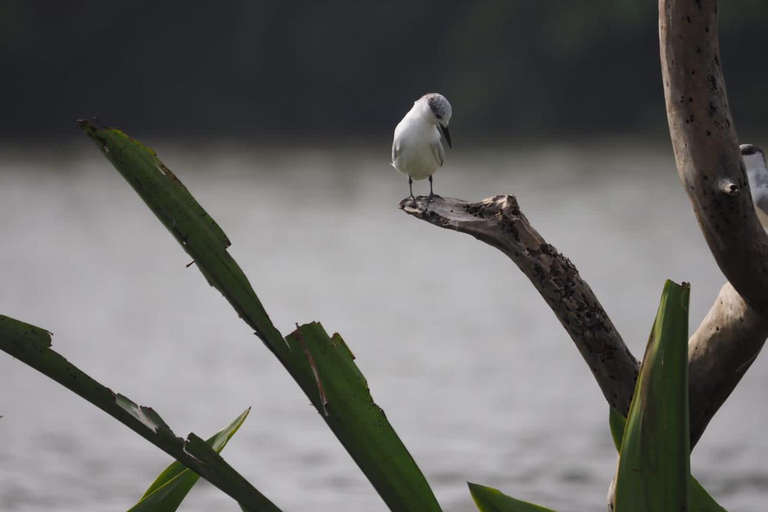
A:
[471,367]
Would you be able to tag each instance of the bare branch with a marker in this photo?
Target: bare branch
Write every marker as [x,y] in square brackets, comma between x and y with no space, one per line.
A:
[499,222]
[711,169]
[719,354]
[706,148]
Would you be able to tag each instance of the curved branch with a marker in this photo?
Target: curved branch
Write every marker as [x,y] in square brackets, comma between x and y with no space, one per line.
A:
[499,222]
[706,147]
[720,351]
[719,354]
[711,169]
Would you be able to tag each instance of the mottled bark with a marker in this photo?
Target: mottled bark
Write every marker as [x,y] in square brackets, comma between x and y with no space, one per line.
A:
[706,147]
[711,169]
[719,354]
[499,222]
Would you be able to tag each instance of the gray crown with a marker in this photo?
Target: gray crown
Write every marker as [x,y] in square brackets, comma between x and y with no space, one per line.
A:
[438,104]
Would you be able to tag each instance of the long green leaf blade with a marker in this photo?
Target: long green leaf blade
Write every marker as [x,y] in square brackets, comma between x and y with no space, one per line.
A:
[325,367]
[32,346]
[396,477]
[193,228]
[701,500]
[654,468]
[170,488]
[489,499]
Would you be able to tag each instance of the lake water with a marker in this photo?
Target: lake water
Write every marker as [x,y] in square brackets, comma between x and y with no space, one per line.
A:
[473,370]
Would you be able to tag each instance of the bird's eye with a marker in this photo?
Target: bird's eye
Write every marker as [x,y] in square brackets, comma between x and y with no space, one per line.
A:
[438,116]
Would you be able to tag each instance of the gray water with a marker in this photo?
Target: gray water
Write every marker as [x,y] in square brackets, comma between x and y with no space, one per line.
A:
[471,367]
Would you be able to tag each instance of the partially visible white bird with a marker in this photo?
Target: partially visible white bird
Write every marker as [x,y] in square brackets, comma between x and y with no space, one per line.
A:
[416,150]
[757,174]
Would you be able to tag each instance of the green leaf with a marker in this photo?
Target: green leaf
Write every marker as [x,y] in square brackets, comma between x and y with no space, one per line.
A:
[170,488]
[31,345]
[654,468]
[489,499]
[701,501]
[322,366]
[616,422]
[190,225]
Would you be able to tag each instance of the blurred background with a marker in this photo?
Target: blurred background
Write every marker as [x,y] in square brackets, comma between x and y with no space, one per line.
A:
[278,117]
[343,68]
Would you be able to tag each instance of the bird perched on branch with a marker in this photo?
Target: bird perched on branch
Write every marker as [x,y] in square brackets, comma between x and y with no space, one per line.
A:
[757,174]
[417,150]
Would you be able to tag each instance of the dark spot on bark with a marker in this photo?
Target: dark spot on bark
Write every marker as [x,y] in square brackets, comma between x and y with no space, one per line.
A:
[548,249]
[709,133]
[688,18]
[698,49]
[706,29]
[712,109]
[712,82]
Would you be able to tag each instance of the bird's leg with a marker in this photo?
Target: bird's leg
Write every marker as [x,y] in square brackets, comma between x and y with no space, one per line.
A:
[431,194]
[410,186]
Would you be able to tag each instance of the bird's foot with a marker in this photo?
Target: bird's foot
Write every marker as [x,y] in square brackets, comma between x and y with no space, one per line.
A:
[409,201]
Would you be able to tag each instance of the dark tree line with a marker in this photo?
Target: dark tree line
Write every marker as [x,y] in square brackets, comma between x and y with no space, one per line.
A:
[349,68]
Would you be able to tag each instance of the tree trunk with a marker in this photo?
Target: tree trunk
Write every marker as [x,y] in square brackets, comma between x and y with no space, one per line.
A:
[710,167]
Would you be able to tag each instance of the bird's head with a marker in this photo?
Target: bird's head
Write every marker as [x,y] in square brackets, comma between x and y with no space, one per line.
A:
[753,156]
[441,112]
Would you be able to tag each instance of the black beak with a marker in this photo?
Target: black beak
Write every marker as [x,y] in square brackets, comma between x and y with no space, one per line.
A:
[446,134]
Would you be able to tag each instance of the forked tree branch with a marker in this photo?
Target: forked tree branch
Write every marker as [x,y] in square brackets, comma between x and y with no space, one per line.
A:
[711,169]
[706,147]
[719,354]
[712,172]
[499,222]
[720,351]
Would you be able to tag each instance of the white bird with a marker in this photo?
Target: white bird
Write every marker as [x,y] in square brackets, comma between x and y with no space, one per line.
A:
[757,174]
[416,150]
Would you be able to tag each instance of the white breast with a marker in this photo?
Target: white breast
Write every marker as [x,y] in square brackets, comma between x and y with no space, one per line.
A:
[758,185]
[413,146]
